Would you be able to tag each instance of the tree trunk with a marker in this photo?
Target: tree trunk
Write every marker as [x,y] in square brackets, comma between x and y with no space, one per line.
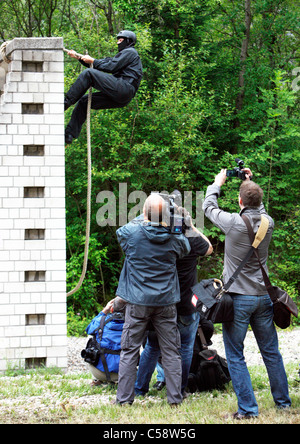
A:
[243,58]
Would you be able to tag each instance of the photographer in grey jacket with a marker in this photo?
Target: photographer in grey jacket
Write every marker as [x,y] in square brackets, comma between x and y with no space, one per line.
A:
[149,283]
[252,304]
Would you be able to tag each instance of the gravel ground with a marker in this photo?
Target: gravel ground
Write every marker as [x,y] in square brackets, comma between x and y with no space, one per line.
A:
[289,344]
[23,409]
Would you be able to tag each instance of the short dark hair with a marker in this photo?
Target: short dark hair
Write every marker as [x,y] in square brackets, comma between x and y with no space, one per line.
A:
[251,194]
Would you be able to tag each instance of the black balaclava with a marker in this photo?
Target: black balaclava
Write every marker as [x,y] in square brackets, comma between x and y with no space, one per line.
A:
[126,42]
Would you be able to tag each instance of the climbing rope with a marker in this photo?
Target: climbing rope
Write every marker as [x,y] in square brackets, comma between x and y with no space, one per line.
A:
[89,190]
[3,52]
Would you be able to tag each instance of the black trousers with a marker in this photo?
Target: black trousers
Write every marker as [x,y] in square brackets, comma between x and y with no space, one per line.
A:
[114,93]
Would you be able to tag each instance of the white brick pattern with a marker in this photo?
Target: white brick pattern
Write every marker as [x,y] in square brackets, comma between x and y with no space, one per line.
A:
[18,298]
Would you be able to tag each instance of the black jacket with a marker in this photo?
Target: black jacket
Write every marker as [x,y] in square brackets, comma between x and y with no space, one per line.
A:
[187,273]
[126,64]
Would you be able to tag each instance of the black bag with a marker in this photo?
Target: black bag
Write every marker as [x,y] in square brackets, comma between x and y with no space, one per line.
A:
[208,371]
[283,304]
[211,299]
[212,302]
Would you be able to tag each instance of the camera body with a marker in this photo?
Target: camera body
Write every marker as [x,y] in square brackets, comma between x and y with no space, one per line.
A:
[237,171]
[91,353]
[176,224]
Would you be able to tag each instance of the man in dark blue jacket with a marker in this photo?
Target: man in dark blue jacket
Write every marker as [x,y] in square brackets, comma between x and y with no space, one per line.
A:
[117,79]
[149,283]
[187,316]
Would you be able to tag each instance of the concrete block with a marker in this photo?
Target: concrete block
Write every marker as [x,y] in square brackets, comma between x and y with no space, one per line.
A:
[35,78]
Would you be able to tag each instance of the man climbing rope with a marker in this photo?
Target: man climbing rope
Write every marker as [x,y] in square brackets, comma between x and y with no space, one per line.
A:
[116,78]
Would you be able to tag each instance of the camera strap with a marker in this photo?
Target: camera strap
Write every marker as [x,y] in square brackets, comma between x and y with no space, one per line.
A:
[265,224]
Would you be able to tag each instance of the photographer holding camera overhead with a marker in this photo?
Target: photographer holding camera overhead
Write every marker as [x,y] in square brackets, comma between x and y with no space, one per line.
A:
[252,304]
[149,283]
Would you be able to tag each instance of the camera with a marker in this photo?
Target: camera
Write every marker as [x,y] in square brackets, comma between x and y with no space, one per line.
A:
[91,354]
[237,171]
[177,224]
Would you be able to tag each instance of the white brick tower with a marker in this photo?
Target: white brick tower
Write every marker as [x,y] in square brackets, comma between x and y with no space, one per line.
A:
[32,205]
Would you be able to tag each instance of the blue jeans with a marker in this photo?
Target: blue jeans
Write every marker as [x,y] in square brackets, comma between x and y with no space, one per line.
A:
[187,326]
[160,373]
[258,312]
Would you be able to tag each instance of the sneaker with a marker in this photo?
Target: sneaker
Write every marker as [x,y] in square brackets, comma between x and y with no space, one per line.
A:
[121,404]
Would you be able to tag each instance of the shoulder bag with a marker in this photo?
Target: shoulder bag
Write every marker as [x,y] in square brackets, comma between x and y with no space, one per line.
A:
[211,299]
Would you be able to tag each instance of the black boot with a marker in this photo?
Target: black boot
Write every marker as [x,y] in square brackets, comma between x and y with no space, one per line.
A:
[68,139]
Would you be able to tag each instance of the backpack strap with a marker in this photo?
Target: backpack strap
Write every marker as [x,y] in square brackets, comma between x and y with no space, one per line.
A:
[103,321]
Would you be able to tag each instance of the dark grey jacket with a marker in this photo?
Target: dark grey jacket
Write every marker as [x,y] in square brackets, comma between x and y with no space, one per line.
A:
[149,275]
[237,243]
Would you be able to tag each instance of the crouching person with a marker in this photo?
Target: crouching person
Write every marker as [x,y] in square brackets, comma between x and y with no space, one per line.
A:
[102,352]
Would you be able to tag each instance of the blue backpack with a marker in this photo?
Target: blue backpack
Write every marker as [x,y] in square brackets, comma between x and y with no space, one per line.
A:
[104,347]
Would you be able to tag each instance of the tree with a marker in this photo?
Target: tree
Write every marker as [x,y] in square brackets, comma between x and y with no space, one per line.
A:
[217,84]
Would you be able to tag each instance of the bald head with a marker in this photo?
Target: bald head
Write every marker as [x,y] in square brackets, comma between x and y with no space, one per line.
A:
[154,208]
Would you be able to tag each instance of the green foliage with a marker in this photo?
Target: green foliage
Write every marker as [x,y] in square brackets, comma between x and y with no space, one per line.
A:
[76,323]
[184,124]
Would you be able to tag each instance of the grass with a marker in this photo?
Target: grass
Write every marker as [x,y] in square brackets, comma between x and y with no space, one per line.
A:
[50,397]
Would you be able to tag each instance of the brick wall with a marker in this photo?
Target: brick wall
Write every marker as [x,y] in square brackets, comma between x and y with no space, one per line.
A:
[32,205]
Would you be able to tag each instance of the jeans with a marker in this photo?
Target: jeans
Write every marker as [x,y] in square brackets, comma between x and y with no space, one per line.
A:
[258,312]
[187,326]
[160,377]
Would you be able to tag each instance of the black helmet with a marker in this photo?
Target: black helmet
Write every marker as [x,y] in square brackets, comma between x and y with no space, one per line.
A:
[127,35]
